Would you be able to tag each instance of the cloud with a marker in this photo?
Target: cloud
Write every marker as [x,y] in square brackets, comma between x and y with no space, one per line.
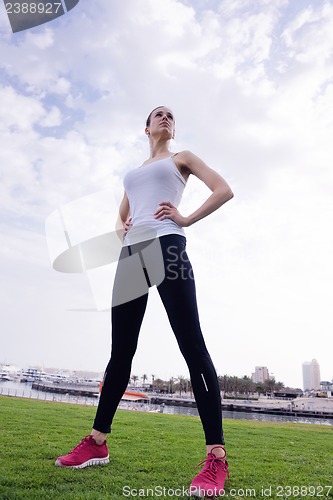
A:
[19,111]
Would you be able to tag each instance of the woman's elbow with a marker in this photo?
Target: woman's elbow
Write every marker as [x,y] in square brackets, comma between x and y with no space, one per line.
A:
[226,195]
[230,194]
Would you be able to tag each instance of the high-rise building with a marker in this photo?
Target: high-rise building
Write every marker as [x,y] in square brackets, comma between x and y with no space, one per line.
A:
[260,374]
[311,375]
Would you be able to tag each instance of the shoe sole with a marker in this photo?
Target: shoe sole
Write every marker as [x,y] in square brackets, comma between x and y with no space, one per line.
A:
[92,461]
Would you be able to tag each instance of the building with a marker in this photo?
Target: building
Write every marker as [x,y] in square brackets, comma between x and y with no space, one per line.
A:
[260,374]
[326,387]
[311,375]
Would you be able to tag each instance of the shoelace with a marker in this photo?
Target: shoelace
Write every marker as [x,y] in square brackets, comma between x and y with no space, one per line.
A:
[84,440]
[211,467]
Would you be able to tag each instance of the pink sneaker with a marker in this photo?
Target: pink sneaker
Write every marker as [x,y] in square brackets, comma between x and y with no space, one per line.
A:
[210,481]
[88,452]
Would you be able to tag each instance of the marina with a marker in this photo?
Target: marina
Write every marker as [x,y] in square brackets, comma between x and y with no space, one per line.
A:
[302,410]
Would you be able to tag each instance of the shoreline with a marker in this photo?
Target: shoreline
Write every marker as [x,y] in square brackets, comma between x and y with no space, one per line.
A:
[298,407]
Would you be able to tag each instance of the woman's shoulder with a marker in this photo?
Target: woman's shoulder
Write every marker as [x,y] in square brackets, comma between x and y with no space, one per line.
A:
[183,155]
[183,160]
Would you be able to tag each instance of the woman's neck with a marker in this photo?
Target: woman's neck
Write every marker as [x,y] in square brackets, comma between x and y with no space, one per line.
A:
[159,148]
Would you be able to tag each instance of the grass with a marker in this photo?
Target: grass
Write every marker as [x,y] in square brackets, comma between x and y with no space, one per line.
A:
[156,451]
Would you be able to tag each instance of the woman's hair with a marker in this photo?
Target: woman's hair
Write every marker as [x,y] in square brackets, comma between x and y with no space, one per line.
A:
[149,116]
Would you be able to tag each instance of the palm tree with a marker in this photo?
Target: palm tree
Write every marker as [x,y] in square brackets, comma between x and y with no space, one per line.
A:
[247,385]
[181,384]
[225,384]
[144,378]
[160,385]
[269,385]
[235,384]
[260,389]
[188,386]
[134,378]
[171,381]
[279,386]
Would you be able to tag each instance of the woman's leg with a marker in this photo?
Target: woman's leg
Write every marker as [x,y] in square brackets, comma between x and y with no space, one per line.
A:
[126,323]
[178,294]
[128,308]
[126,320]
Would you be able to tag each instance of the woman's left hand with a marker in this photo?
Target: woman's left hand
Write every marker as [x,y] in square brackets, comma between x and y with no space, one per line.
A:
[168,211]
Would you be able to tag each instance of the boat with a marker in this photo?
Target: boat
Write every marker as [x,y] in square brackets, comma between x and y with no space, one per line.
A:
[130,394]
[134,396]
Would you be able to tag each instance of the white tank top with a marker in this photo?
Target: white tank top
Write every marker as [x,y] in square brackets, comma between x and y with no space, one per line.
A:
[146,187]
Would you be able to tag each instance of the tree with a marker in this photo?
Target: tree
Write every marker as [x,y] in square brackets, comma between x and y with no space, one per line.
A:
[269,386]
[279,386]
[171,382]
[225,384]
[260,389]
[235,385]
[189,386]
[247,386]
[134,378]
[181,384]
[160,385]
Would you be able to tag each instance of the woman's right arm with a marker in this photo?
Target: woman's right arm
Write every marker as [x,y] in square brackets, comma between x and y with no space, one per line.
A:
[123,220]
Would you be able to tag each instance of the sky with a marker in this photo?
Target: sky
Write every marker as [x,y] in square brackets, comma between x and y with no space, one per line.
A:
[251,85]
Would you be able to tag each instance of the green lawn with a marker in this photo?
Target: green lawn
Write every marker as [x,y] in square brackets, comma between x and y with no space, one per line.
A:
[153,455]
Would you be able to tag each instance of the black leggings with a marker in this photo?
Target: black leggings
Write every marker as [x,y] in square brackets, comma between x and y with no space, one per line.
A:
[163,262]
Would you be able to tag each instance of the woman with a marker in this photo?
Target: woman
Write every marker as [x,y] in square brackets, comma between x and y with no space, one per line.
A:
[154,252]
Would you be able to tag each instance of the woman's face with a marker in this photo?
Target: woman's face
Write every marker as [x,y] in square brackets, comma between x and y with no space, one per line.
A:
[161,122]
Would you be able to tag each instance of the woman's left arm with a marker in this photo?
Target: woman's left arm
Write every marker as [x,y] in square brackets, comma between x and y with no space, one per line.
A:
[221,192]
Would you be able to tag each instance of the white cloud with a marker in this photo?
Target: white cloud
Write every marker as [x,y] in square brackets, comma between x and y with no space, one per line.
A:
[42,40]
[309,36]
[18,111]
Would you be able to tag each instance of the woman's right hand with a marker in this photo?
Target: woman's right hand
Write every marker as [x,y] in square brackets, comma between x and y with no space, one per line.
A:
[128,224]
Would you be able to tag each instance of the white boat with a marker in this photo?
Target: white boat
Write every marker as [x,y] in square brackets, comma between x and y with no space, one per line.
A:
[4,377]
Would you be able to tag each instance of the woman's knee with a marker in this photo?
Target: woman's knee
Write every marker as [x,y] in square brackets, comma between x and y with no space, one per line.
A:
[122,353]
[194,352]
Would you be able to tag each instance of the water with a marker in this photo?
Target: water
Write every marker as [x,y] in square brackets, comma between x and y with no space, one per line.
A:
[237,415]
[276,418]
[25,390]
